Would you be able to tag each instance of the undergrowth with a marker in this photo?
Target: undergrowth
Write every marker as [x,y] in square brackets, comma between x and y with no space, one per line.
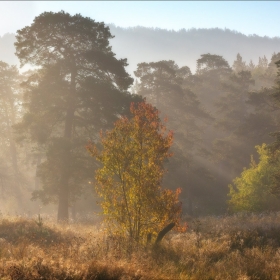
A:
[234,247]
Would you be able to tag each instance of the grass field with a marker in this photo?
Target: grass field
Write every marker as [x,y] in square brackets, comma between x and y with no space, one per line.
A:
[232,247]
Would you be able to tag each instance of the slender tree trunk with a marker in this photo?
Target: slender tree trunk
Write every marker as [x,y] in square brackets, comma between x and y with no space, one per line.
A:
[63,199]
[36,180]
[10,119]
[163,232]
[63,195]
[189,194]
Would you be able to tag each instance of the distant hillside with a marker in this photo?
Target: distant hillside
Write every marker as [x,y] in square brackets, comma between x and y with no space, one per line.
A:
[141,44]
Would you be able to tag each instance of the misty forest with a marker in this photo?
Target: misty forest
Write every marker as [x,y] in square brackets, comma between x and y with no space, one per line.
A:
[138,153]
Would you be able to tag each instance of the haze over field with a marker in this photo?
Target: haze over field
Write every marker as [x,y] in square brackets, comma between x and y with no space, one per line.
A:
[154,30]
[139,44]
[209,61]
[139,140]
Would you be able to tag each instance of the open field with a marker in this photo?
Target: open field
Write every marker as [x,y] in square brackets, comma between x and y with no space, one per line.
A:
[232,247]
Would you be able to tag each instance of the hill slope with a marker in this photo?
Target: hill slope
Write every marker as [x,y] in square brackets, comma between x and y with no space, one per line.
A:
[141,44]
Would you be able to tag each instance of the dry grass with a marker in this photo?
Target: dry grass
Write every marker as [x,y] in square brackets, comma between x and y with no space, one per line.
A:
[234,247]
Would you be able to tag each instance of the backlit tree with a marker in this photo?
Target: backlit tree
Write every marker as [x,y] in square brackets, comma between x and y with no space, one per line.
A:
[129,182]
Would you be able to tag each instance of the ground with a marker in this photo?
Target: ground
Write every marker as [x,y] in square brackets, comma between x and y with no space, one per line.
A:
[244,246]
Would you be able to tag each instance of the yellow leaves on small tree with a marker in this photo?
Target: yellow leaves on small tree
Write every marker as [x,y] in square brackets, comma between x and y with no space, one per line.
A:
[129,183]
[252,191]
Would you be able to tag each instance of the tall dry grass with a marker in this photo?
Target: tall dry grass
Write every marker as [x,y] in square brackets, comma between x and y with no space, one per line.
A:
[234,247]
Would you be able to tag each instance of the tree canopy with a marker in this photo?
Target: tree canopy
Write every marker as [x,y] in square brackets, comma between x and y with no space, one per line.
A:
[252,191]
[79,86]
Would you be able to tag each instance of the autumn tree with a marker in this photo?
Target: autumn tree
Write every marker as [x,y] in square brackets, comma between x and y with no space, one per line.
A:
[129,182]
[79,86]
[253,190]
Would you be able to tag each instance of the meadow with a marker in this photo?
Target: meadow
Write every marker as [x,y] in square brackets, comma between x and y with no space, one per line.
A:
[243,246]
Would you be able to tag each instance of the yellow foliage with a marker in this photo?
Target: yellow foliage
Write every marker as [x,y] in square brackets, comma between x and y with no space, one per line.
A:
[129,182]
[252,190]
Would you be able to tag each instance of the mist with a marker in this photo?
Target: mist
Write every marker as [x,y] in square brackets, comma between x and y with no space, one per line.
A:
[198,123]
[138,153]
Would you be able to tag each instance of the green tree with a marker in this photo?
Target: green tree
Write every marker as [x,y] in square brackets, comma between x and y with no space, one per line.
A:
[211,71]
[239,65]
[252,191]
[272,68]
[214,62]
[165,85]
[162,83]
[266,102]
[251,66]
[234,121]
[79,87]
[129,182]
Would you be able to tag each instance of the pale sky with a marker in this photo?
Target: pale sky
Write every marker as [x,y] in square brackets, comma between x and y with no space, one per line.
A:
[248,17]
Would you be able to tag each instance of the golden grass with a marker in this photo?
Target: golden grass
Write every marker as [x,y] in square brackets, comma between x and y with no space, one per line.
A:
[234,247]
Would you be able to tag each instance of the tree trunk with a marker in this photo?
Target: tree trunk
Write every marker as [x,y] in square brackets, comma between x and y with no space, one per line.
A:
[63,195]
[10,119]
[63,199]
[163,232]
[36,180]
[16,175]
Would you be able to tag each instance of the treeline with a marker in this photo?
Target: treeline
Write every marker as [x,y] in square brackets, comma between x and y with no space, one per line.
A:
[139,44]
[218,114]
[185,46]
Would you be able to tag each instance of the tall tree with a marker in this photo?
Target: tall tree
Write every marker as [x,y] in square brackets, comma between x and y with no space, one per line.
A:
[264,119]
[162,83]
[165,85]
[239,65]
[211,71]
[212,62]
[80,86]
[235,120]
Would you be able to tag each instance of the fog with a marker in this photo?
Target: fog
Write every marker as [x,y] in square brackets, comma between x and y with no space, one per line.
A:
[207,82]
[139,44]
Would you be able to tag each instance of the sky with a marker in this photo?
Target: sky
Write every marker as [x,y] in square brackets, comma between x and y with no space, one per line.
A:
[248,17]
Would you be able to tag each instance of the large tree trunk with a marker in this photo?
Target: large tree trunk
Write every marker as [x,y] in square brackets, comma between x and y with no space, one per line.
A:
[63,195]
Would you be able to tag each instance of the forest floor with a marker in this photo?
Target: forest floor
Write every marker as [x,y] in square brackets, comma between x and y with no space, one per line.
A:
[235,247]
